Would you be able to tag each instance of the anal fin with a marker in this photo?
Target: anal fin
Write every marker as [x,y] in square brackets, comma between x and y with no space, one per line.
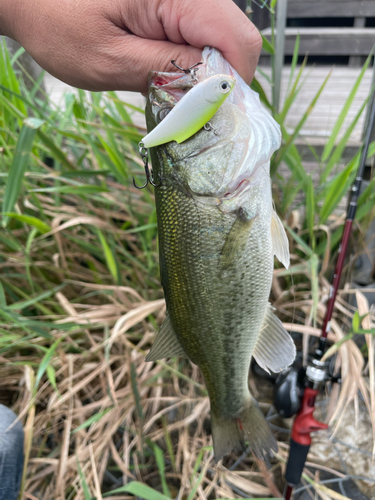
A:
[275,349]
[166,344]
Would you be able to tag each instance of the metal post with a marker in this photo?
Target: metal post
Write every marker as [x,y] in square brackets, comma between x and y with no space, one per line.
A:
[281,9]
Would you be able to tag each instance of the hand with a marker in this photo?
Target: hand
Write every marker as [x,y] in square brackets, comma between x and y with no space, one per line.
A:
[113,44]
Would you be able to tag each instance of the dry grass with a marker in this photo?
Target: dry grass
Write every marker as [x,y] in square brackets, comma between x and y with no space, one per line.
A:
[100,407]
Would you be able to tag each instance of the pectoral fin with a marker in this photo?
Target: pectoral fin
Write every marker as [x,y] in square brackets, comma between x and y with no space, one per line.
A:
[166,344]
[237,239]
[275,349]
[280,241]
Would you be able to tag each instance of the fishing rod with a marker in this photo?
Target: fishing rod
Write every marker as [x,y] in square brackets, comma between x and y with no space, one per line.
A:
[316,372]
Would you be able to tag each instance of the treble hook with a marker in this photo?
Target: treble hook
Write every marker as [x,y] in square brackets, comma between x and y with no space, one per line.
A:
[192,70]
[188,70]
[149,179]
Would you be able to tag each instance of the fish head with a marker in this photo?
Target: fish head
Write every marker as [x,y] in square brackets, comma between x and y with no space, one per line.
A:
[220,164]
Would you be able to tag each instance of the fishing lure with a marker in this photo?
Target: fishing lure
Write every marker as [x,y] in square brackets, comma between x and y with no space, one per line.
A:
[189,115]
[192,112]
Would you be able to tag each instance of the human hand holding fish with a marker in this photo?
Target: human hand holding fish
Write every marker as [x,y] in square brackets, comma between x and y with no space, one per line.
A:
[218,234]
[111,44]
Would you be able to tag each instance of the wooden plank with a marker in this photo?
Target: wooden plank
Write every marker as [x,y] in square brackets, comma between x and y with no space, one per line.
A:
[331,8]
[323,117]
[260,16]
[56,90]
[329,41]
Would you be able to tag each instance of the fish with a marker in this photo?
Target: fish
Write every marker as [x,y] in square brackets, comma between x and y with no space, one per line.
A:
[218,235]
[192,111]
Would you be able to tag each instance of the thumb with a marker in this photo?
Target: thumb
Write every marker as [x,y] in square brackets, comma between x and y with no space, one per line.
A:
[138,56]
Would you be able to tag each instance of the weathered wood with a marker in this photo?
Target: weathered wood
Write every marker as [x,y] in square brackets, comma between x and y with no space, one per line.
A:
[242,4]
[318,127]
[331,8]
[260,16]
[329,41]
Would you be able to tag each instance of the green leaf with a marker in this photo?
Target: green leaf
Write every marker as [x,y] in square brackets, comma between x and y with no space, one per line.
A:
[267,47]
[34,123]
[134,385]
[294,61]
[46,361]
[18,53]
[292,137]
[85,487]
[292,93]
[300,241]
[336,155]
[169,444]
[109,257]
[336,190]
[10,242]
[84,189]
[257,87]
[19,165]
[356,322]
[140,490]
[31,221]
[120,107]
[22,304]
[84,173]
[91,420]
[340,120]
[51,374]
[3,302]
[310,210]
[159,457]
[196,485]
[335,347]
[55,151]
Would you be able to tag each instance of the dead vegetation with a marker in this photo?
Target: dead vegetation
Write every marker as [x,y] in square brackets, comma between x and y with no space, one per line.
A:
[97,416]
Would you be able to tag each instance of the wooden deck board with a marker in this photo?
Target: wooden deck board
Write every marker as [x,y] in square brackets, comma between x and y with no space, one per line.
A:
[328,108]
[56,89]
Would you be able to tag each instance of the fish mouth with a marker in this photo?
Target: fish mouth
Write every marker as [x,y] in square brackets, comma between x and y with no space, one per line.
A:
[174,84]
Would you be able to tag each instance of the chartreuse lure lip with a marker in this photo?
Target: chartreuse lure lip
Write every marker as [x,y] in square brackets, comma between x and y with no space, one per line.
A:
[192,112]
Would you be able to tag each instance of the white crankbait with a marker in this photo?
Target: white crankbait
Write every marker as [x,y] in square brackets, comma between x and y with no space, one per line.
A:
[192,112]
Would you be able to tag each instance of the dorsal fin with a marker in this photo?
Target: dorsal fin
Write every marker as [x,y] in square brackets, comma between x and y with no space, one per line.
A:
[166,344]
[275,349]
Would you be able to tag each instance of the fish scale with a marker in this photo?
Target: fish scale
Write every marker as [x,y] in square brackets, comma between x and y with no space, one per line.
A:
[217,241]
[191,239]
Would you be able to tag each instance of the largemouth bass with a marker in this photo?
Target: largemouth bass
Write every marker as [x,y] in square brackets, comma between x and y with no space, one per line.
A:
[218,234]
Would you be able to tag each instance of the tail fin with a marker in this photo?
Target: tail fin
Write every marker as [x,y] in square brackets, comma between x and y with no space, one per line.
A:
[250,426]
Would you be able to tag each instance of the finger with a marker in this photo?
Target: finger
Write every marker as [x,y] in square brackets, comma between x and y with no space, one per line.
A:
[217,23]
[129,60]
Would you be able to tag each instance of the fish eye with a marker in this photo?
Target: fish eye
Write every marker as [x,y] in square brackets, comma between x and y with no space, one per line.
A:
[163,113]
[224,87]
